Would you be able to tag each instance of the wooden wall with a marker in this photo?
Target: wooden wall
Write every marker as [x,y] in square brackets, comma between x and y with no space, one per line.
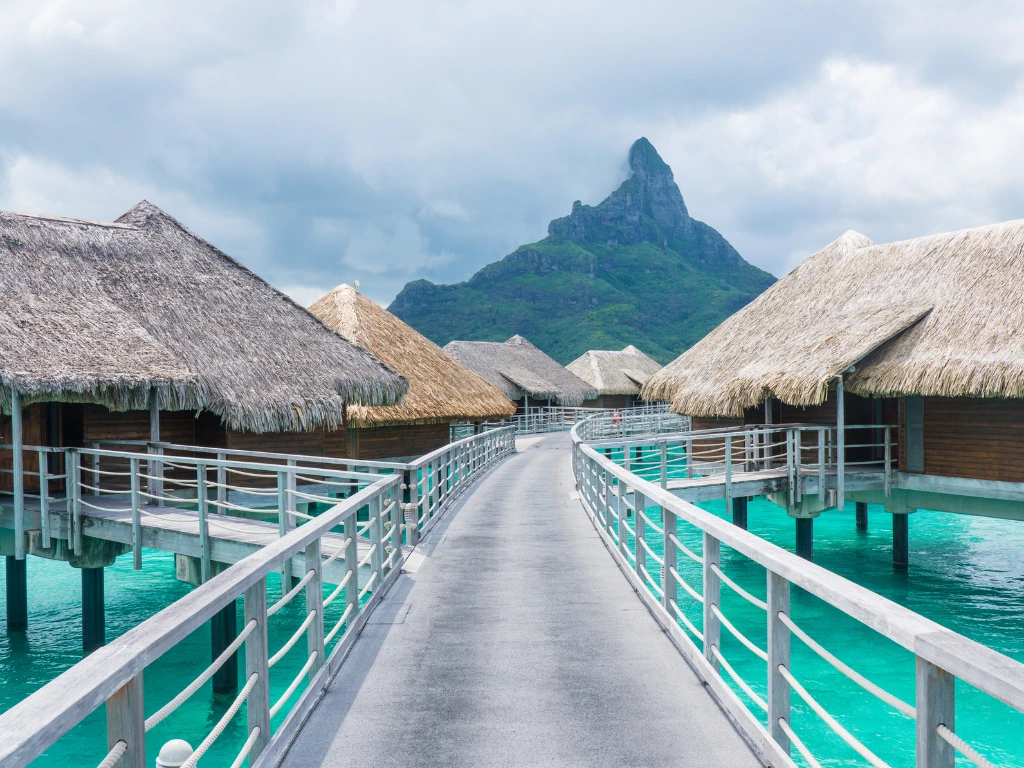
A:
[392,442]
[33,432]
[979,438]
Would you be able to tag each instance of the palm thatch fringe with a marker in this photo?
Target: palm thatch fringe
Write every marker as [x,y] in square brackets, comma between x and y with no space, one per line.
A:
[441,390]
[102,313]
[936,316]
[613,372]
[518,369]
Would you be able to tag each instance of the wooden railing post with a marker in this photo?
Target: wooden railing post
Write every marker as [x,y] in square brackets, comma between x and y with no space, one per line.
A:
[664,464]
[778,655]
[888,461]
[935,707]
[73,468]
[136,515]
[18,470]
[728,471]
[352,563]
[315,602]
[609,494]
[821,465]
[222,481]
[257,657]
[668,582]
[412,529]
[640,536]
[689,457]
[377,539]
[126,721]
[620,509]
[396,517]
[712,592]
[44,498]
[204,526]
[282,527]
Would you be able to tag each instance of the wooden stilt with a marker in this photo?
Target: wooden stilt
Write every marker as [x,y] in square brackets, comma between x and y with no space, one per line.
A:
[739,512]
[862,515]
[94,633]
[900,542]
[805,537]
[17,594]
[223,631]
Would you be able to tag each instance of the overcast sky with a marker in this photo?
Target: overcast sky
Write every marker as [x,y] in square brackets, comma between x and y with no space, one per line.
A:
[322,142]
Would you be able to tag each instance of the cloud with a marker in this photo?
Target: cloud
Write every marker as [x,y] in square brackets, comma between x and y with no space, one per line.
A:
[436,137]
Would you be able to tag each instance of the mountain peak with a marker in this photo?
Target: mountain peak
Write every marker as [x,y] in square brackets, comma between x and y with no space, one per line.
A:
[647,206]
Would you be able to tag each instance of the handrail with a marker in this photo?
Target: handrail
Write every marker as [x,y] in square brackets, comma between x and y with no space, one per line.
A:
[113,673]
[942,655]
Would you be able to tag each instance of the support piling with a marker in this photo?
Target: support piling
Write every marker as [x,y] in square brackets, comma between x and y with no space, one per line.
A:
[900,542]
[17,594]
[94,634]
[223,631]
[805,537]
[739,512]
[862,515]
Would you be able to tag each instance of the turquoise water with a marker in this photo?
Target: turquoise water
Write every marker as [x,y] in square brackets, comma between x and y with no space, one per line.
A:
[965,573]
[53,643]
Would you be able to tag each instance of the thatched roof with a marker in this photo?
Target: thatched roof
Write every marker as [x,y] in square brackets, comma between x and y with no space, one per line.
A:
[518,368]
[615,373]
[101,313]
[936,316]
[440,389]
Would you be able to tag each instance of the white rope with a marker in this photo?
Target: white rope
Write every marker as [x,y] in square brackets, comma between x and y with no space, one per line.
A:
[114,754]
[239,507]
[682,582]
[154,719]
[831,722]
[246,748]
[292,640]
[686,551]
[652,524]
[739,680]
[342,620]
[962,747]
[739,635]
[209,521]
[314,497]
[338,552]
[738,589]
[367,556]
[652,584]
[658,559]
[337,589]
[364,590]
[243,489]
[798,744]
[264,475]
[85,503]
[105,472]
[858,678]
[291,688]
[291,593]
[218,729]
[98,491]
[689,625]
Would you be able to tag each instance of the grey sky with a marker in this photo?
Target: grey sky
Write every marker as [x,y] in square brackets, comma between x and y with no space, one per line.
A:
[321,142]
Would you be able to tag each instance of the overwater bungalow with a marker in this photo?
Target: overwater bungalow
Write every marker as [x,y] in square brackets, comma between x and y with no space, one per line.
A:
[139,329]
[617,376]
[926,334]
[522,372]
[441,390]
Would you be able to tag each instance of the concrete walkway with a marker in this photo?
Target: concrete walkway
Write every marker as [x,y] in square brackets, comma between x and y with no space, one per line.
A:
[516,641]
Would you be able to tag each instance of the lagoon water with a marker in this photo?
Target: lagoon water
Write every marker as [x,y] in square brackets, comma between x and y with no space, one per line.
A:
[966,573]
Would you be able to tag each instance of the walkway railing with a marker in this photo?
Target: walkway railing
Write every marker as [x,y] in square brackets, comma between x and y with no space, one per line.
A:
[114,674]
[803,454]
[653,534]
[544,419]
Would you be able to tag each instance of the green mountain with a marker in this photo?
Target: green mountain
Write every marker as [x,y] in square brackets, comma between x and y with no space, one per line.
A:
[635,269]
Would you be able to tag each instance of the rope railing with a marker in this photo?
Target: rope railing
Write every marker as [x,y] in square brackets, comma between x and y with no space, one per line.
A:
[294,684]
[894,702]
[800,747]
[962,747]
[744,686]
[218,729]
[738,589]
[161,714]
[762,655]
[287,597]
[831,722]
[246,748]
[290,643]
[116,753]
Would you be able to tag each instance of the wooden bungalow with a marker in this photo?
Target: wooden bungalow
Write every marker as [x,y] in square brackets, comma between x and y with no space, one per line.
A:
[441,390]
[616,375]
[139,329]
[924,333]
[524,374]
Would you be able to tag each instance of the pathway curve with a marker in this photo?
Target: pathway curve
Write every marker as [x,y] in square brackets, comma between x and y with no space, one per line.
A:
[516,641]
